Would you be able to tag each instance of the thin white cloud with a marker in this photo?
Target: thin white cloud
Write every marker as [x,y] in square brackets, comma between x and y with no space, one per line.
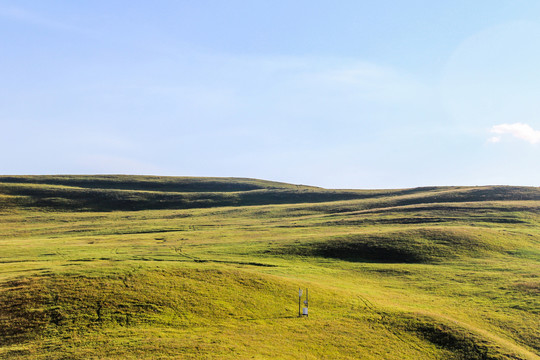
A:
[368,81]
[518,130]
[31,18]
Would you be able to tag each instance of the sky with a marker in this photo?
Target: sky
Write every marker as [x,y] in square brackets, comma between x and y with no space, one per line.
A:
[349,94]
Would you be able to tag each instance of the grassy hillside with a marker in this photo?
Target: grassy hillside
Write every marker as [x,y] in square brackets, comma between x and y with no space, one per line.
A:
[110,267]
[115,193]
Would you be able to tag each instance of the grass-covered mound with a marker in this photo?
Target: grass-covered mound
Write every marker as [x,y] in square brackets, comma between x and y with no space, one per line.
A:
[36,306]
[108,193]
[422,245]
[90,310]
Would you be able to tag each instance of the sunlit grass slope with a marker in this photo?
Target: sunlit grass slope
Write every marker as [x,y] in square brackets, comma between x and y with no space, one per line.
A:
[133,267]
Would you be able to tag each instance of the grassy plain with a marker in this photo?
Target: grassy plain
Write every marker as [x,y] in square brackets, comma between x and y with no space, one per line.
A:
[110,267]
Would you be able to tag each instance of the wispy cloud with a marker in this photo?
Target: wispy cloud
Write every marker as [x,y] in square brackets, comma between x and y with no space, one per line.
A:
[518,130]
[367,81]
[28,17]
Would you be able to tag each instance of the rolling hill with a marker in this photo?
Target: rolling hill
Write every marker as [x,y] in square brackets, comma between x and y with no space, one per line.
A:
[140,267]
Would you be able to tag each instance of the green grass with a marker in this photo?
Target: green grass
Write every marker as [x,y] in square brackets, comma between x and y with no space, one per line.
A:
[120,267]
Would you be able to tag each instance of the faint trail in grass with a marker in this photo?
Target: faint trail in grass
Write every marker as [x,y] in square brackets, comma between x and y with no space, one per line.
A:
[269,318]
[385,323]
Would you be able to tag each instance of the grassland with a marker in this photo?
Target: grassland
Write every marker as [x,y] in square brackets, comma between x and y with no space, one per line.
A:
[124,267]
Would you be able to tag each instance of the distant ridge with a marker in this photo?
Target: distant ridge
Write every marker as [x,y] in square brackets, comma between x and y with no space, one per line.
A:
[129,192]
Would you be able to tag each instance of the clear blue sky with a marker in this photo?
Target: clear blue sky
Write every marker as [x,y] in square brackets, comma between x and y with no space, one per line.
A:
[348,94]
